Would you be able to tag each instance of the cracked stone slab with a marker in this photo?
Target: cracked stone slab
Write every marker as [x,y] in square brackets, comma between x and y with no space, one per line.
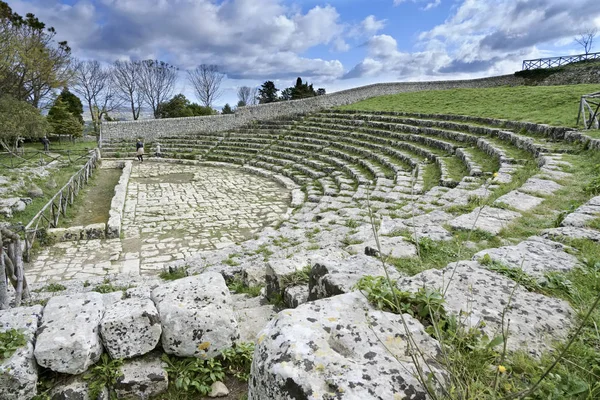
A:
[585,214]
[540,186]
[68,340]
[395,246]
[252,314]
[535,256]
[478,295]
[488,219]
[334,347]
[130,328]
[196,316]
[19,372]
[519,201]
[143,378]
[333,276]
[572,233]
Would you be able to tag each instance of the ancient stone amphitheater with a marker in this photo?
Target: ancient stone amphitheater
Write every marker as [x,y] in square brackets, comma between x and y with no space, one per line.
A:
[359,187]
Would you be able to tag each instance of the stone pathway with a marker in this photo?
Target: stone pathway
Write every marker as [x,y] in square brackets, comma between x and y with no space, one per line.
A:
[171,212]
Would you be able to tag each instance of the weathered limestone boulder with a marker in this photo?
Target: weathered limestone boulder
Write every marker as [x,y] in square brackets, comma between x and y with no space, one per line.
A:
[332,348]
[34,191]
[584,214]
[487,219]
[218,389]
[295,295]
[534,255]
[333,276]
[391,226]
[196,316]
[253,272]
[74,388]
[572,233]
[396,247]
[283,272]
[68,340]
[130,328]
[476,295]
[142,378]
[519,201]
[252,314]
[18,373]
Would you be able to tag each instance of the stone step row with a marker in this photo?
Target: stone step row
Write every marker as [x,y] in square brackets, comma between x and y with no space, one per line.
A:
[532,144]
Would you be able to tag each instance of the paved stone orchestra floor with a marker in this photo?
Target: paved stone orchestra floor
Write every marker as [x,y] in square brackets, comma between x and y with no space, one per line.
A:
[171,211]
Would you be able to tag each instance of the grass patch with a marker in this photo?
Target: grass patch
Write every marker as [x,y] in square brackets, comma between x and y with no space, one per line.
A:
[174,273]
[554,105]
[433,255]
[51,287]
[108,287]
[456,168]
[10,341]
[431,176]
[240,287]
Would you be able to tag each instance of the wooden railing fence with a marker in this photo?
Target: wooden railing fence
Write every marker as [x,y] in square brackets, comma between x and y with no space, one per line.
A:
[553,62]
[589,111]
[49,215]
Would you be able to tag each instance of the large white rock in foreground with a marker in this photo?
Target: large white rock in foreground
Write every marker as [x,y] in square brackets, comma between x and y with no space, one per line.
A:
[332,349]
[68,340]
[130,328]
[196,316]
[18,373]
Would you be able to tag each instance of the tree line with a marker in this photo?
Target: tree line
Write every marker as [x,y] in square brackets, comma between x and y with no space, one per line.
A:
[34,66]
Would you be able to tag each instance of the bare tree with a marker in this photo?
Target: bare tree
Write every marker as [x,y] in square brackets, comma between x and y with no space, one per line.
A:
[156,83]
[586,39]
[206,80]
[244,94]
[127,76]
[95,84]
[253,97]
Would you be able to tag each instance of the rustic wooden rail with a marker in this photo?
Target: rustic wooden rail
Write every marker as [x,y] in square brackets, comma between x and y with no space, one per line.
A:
[589,110]
[552,62]
[49,215]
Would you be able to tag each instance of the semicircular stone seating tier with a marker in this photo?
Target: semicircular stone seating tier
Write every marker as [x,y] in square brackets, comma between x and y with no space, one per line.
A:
[408,177]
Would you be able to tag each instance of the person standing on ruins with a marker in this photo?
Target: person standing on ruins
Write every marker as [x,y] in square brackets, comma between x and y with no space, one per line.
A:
[140,150]
[46,143]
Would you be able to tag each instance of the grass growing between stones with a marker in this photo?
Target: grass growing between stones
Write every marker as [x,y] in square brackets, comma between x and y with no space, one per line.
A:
[431,176]
[10,341]
[191,378]
[456,168]
[240,287]
[554,105]
[478,366]
[174,273]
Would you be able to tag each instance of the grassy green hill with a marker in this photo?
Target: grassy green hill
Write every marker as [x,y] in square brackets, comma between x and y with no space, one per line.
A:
[554,105]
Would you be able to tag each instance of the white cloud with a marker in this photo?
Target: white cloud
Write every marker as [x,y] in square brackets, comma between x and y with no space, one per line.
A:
[371,25]
[433,4]
[481,38]
[245,37]
[430,4]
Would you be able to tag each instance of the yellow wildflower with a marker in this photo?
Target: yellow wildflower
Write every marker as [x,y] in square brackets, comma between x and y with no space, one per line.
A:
[502,369]
[495,174]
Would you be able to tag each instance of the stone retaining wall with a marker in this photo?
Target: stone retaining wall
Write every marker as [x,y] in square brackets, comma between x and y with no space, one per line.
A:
[152,129]
[115,215]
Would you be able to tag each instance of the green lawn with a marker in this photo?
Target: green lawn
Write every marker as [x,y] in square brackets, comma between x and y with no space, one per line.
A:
[554,105]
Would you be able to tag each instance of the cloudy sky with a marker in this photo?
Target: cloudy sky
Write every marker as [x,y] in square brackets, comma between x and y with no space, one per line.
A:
[336,44]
